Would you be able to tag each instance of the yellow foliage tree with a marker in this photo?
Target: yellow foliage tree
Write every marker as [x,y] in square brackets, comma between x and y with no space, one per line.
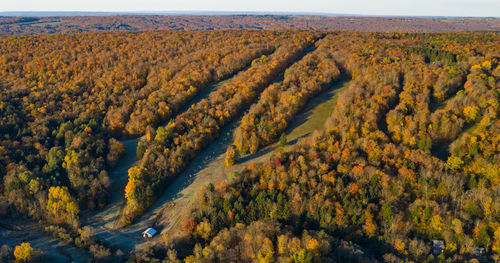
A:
[282,244]
[231,156]
[454,162]
[471,113]
[61,205]
[313,246]
[369,226]
[204,230]
[436,223]
[134,177]
[399,245]
[23,252]
[266,252]
[496,242]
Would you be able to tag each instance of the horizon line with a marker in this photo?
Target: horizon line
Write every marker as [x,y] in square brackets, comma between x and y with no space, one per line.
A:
[213,13]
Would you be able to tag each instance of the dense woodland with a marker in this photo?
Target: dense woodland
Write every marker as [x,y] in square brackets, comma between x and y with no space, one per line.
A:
[128,22]
[410,154]
[67,99]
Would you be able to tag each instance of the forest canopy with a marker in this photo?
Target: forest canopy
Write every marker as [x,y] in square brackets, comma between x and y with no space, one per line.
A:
[408,158]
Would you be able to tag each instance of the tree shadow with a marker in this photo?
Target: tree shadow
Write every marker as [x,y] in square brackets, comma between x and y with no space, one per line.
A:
[258,154]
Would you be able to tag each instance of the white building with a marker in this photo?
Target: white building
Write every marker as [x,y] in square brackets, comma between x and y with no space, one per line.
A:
[149,233]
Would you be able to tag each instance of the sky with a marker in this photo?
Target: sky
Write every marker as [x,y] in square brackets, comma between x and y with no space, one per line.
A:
[489,8]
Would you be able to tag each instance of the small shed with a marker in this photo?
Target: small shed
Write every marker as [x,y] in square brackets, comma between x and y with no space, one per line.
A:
[149,233]
[437,247]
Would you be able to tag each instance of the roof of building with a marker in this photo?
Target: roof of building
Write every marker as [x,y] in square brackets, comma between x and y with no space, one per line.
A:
[150,231]
[438,243]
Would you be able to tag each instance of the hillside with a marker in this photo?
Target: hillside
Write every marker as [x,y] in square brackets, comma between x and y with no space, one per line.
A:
[251,145]
[130,22]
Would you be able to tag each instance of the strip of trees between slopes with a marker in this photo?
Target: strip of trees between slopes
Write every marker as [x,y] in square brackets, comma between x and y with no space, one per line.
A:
[410,153]
[370,187]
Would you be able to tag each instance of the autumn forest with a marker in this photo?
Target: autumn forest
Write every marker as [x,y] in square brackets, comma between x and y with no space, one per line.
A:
[404,168]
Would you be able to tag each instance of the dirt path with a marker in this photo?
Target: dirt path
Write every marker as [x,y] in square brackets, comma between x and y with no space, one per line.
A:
[15,231]
[104,222]
[170,210]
